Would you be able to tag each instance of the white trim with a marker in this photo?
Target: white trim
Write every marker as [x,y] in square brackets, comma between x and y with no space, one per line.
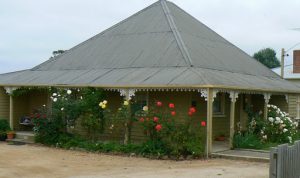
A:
[10,90]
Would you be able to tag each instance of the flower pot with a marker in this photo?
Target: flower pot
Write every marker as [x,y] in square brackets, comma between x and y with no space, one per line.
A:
[10,135]
[220,138]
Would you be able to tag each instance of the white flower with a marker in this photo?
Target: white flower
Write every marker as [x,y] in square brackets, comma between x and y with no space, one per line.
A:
[69,92]
[104,102]
[145,108]
[285,130]
[62,109]
[101,104]
[54,99]
[44,105]
[54,94]
[268,105]
[271,119]
[265,137]
[290,139]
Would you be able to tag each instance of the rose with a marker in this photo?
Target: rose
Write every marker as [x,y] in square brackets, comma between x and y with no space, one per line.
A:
[173,113]
[155,119]
[126,103]
[158,103]
[171,105]
[142,119]
[192,110]
[69,92]
[203,123]
[158,127]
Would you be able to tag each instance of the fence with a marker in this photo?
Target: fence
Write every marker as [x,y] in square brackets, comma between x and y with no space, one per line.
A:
[285,161]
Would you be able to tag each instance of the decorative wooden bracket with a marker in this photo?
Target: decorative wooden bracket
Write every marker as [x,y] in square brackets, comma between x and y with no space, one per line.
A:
[233,96]
[267,97]
[204,93]
[10,90]
[127,93]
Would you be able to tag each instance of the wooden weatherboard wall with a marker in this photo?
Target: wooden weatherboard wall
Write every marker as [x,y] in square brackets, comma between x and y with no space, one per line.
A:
[4,104]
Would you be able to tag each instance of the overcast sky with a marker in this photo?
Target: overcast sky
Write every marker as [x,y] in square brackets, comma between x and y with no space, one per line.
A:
[31,29]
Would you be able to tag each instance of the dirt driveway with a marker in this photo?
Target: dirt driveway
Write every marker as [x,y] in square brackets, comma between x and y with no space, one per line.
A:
[37,161]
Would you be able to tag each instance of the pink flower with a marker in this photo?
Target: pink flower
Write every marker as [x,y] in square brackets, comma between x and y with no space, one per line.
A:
[173,113]
[155,119]
[190,113]
[192,110]
[203,123]
[142,119]
[158,127]
[158,103]
[171,105]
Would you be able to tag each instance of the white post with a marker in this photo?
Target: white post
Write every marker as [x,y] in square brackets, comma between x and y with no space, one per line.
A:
[267,97]
[233,96]
[298,107]
[9,90]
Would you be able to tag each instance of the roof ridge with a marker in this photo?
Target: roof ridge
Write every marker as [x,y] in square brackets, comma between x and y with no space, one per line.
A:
[183,48]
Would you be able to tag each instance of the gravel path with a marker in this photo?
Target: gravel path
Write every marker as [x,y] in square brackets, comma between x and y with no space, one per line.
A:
[31,161]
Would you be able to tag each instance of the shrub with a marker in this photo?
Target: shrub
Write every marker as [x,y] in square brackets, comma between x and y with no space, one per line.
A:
[247,140]
[4,125]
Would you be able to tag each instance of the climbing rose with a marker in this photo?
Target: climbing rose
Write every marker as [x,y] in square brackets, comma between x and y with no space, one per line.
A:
[192,110]
[158,103]
[203,123]
[69,92]
[142,119]
[158,127]
[171,105]
[190,113]
[155,119]
[173,113]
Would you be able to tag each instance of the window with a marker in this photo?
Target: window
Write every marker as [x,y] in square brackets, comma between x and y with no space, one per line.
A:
[141,100]
[219,105]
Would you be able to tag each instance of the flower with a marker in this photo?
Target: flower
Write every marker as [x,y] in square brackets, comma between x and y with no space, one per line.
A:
[158,103]
[126,103]
[44,105]
[155,119]
[271,119]
[142,119]
[54,94]
[54,99]
[173,113]
[158,127]
[203,123]
[62,109]
[285,130]
[190,113]
[290,139]
[192,109]
[103,106]
[145,108]
[104,102]
[69,92]
[171,105]
[265,137]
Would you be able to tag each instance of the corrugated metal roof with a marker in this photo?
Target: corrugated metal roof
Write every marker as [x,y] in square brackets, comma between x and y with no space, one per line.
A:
[161,45]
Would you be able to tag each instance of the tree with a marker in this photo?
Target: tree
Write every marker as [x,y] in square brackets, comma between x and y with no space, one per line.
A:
[267,57]
[57,53]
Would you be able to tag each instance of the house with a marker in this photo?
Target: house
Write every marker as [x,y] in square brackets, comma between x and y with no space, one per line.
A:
[162,53]
[291,73]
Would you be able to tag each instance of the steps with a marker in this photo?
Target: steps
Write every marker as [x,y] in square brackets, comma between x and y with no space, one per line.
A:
[23,137]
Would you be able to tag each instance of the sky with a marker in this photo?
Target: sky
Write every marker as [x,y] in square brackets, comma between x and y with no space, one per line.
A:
[30,30]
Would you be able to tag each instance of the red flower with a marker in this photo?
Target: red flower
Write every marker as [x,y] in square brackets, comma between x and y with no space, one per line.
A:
[190,113]
[158,103]
[173,113]
[192,110]
[171,105]
[158,127]
[155,119]
[142,119]
[203,123]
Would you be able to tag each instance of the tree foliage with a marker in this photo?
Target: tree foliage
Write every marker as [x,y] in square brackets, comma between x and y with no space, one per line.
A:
[267,57]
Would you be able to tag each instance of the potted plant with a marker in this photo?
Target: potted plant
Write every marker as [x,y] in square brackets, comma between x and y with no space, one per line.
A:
[4,127]
[10,135]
